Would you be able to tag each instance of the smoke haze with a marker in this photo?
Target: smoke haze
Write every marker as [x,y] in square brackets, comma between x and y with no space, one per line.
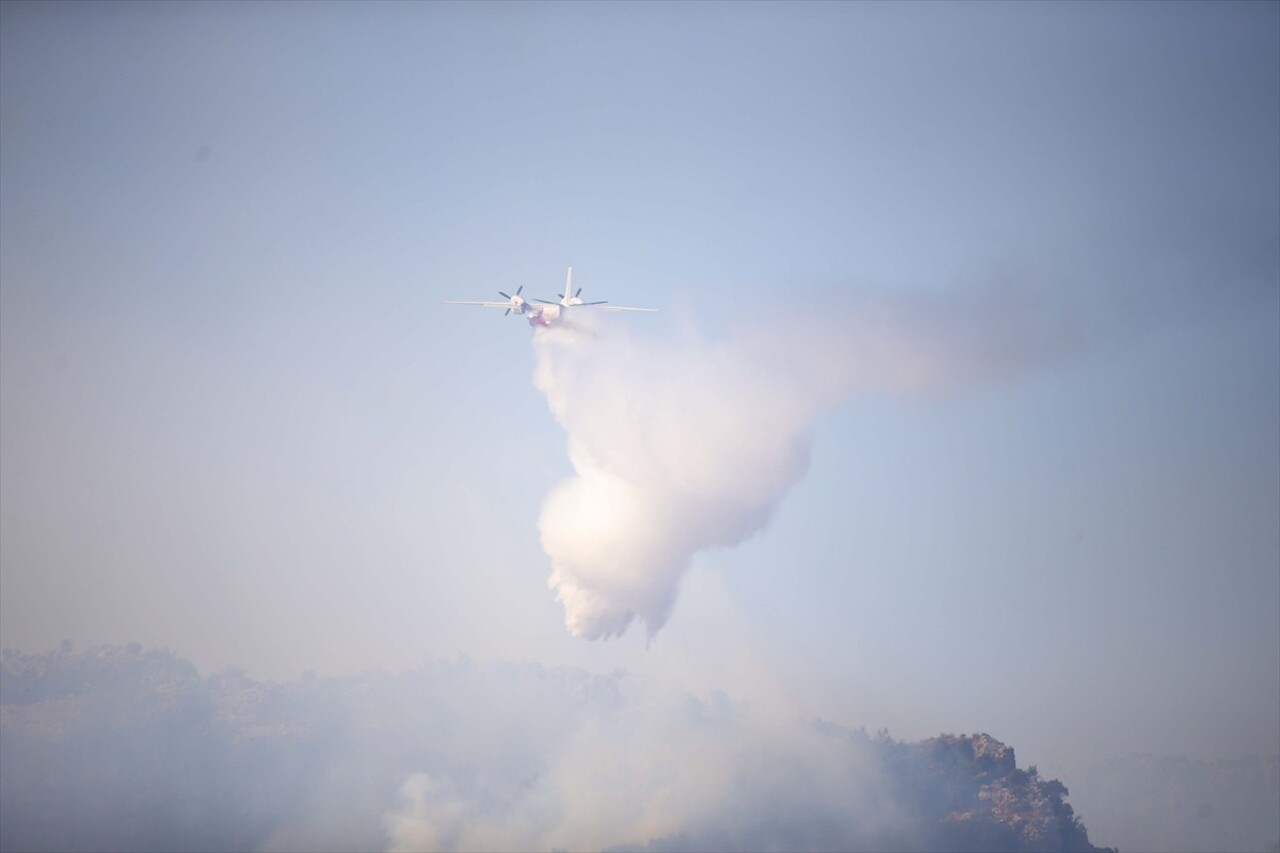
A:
[960,414]
[456,756]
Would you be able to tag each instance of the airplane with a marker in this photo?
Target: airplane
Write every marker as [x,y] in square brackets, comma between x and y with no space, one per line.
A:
[547,312]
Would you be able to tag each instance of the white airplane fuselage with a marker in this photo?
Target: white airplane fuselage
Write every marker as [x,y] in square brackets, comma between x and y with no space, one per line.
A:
[543,315]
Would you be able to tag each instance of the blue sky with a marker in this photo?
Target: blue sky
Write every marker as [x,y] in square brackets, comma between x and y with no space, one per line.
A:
[238,422]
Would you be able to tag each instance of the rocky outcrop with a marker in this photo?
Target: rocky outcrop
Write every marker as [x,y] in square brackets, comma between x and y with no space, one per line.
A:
[1000,806]
[968,794]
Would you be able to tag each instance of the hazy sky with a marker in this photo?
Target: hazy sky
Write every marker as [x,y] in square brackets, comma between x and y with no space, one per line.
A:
[237,421]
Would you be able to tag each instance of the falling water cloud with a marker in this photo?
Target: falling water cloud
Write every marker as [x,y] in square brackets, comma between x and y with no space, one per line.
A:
[682,446]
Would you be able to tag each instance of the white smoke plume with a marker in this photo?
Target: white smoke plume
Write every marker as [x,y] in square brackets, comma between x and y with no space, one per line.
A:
[668,771]
[679,446]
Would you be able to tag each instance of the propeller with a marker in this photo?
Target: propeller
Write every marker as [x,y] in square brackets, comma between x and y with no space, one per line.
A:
[570,303]
[517,301]
[564,300]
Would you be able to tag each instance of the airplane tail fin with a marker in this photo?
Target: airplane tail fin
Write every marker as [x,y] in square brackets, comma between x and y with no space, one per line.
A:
[568,285]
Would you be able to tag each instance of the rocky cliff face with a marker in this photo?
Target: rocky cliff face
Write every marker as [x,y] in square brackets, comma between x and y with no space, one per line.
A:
[990,804]
[120,748]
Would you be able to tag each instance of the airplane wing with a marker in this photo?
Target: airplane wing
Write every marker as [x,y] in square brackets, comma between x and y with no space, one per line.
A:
[575,304]
[624,308]
[482,304]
